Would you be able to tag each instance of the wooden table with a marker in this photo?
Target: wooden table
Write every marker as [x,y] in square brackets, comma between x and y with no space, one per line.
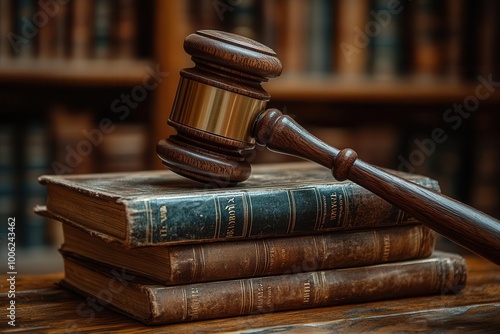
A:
[42,306]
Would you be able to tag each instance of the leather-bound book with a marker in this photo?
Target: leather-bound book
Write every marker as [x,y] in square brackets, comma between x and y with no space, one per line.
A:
[247,258]
[153,303]
[161,208]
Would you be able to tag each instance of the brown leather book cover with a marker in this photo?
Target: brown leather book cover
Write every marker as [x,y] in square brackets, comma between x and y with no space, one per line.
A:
[229,260]
[157,304]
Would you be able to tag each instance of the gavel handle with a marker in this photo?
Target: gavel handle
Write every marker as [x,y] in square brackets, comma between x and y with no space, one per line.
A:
[463,224]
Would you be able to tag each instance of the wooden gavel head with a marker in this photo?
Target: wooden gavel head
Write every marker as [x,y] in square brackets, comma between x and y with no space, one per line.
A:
[217,103]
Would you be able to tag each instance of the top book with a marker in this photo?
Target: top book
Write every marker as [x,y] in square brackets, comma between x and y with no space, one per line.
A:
[161,208]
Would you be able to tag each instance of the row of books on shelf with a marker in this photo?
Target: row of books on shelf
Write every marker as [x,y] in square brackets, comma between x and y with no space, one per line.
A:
[455,39]
[67,141]
[163,249]
[78,29]
[19,191]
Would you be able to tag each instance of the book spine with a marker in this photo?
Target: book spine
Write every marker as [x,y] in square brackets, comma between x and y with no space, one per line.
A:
[244,19]
[454,38]
[427,38]
[61,42]
[126,30]
[269,23]
[102,28]
[305,290]
[385,58]
[35,163]
[66,124]
[47,35]
[294,58]
[8,167]
[26,30]
[6,15]
[352,47]
[257,214]
[272,256]
[320,37]
[81,34]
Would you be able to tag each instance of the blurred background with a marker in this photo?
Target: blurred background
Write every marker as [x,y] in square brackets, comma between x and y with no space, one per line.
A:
[87,86]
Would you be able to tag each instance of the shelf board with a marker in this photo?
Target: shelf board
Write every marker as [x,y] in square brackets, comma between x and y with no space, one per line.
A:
[75,72]
[337,89]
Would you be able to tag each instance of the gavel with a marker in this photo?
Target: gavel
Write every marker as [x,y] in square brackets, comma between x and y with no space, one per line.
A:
[219,114]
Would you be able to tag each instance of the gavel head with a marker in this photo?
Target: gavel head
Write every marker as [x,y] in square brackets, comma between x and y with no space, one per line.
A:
[217,103]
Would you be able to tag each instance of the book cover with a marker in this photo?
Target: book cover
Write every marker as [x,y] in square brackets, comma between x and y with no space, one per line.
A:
[62,34]
[182,264]
[126,30]
[351,54]
[6,15]
[243,19]
[320,37]
[160,207]
[81,29]
[455,33]
[157,304]
[428,55]
[24,41]
[47,34]
[295,57]
[8,169]
[102,24]
[385,46]
[35,162]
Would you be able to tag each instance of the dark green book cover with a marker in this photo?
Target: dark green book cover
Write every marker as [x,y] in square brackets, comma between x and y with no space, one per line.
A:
[160,207]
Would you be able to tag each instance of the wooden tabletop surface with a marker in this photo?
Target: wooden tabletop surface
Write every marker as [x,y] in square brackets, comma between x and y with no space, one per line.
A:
[42,306]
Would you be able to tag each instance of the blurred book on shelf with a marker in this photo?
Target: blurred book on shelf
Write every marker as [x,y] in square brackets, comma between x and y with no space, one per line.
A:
[36,155]
[72,149]
[80,29]
[486,180]
[364,38]
[8,170]
[124,149]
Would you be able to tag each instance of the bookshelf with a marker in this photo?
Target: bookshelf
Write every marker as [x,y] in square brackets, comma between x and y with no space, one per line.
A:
[400,81]
[93,72]
[76,81]
[335,89]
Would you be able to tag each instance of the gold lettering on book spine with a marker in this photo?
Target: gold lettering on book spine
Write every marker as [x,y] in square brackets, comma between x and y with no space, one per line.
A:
[231,211]
[306,299]
[333,206]
[260,296]
[387,248]
[163,220]
[324,213]
[195,303]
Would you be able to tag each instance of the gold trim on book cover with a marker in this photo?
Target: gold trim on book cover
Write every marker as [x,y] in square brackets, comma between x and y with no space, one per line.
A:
[215,110]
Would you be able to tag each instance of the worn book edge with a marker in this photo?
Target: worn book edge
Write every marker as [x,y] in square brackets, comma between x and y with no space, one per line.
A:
[271,256]
[306,200]
[441,273]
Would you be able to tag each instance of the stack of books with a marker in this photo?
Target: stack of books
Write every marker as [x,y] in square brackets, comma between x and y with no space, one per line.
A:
[162,249]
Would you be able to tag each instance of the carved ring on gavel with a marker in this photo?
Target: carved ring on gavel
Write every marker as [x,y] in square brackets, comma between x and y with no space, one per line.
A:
[220,113]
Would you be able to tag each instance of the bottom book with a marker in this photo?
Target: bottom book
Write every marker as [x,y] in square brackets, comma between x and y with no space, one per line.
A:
[153,303]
